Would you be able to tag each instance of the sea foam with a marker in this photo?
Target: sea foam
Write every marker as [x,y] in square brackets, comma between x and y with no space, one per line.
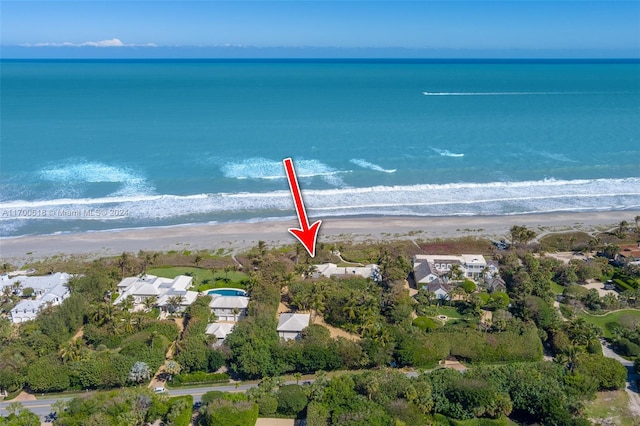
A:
[263,168]
[368,165]
[491,198]
[72,175]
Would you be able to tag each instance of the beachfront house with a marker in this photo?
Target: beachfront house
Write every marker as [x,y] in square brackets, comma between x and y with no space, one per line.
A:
[427,267]
[290,326]
[628,254]
[171,294]
[229,308]
[332,270]
[47,290]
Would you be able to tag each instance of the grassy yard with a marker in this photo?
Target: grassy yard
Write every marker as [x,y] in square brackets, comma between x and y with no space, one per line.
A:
[557,288]
[601,321]
[610,407]
[204,278]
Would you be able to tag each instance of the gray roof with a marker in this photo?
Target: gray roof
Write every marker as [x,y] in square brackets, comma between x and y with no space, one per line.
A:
[293,322]
[438,284]
[422,270]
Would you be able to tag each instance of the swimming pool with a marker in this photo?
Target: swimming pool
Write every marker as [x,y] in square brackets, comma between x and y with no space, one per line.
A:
[228,292]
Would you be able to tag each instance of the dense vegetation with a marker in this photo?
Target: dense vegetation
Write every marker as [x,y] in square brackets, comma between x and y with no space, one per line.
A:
[88,343]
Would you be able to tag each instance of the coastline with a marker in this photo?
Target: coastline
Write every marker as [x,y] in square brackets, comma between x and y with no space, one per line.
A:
[239,236]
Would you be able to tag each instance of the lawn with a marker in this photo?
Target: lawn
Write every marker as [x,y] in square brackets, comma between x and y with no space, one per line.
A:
[601,321]
[557,288]
[612,406]
[203,278]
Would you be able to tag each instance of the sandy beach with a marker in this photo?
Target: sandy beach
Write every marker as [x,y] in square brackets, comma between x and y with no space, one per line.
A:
[239,236]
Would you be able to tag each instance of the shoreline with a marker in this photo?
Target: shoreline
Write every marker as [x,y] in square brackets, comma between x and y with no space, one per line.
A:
[240,236]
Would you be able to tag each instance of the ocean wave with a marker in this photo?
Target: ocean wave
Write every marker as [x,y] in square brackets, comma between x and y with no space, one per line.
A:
[263,168]
[447,153]
[71,175]
[496,198]
[368,165]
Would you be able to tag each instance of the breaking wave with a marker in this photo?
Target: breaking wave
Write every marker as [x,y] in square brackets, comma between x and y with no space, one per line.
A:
[447,153]
[368,165]
[493,198]
[263,168]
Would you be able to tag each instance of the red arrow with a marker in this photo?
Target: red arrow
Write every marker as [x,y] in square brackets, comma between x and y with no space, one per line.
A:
[307,235]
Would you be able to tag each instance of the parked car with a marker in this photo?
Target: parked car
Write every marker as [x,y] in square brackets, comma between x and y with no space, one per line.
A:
[159,389]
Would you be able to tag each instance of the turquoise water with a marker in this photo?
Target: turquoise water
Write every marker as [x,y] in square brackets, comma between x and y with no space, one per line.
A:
[227,292]
[98,145]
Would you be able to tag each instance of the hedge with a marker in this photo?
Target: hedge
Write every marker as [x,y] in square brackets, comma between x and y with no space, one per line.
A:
[199,377]
[621,285]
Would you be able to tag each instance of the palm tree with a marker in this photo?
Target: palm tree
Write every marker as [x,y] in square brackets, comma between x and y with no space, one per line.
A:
[139,372]
[17,286]
[174,302]
[297,376]
[71,351]
[7,294]
[123,262]
[197,259]
[623,227]
[150,302]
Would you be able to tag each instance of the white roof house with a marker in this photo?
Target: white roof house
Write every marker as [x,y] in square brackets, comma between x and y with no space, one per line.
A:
[427,267]
[220,329]
[331,269]
[229,308]
[291,325]
[47,290]
[147,286]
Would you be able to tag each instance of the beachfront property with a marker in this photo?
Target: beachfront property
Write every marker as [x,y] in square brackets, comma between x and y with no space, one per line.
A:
[290,326]
[170,294]
[629,254]
[427,267]
[332,270]
[435,272]
[47,290]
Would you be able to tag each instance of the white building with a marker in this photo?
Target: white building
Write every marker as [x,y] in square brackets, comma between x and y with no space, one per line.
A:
[291,325]
[48,290]
[220,329]
[427,268]
[229,308]
[163,289]
[331,270]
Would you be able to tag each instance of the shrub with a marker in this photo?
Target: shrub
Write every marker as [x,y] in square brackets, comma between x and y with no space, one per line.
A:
[199,377]
[291,399]
[627,348]
[317,414]
[180,410]
[267,405]
[425,324]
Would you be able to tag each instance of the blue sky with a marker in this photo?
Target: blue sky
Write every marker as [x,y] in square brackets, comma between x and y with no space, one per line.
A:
[573,28]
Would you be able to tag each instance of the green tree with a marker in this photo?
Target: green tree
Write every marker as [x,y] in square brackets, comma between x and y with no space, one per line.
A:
[139,372]
[291,399]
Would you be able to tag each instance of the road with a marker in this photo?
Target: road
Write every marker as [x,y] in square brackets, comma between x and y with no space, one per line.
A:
[631,385]
[42,407]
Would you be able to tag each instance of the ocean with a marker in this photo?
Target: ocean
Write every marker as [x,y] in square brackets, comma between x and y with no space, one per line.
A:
[100,145]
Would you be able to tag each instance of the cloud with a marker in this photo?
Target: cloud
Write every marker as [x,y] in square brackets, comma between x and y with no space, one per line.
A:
[114,42]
